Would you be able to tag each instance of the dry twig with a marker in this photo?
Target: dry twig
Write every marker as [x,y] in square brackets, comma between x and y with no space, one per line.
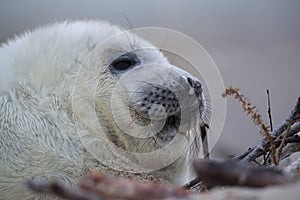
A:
[203,133]
[128,189]
[42,185]
[230,172]
[98,186]
[262,146]
[193,183]
[252,111]
[269,111]
[283,141]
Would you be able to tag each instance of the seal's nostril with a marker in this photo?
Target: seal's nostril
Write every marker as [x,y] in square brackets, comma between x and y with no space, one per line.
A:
[196,85]
[190,81]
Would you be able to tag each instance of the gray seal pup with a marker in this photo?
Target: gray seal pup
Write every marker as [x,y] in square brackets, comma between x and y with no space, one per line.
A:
[87,96]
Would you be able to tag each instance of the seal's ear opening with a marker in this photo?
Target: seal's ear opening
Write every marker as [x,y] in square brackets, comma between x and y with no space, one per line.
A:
[124,63]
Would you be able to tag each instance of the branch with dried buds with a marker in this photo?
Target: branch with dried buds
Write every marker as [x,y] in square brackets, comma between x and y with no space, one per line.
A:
[288,127]
[279,131]
[256,117]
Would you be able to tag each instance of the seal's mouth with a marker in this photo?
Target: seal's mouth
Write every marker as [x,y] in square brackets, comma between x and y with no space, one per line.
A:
[170,129]
[172,121]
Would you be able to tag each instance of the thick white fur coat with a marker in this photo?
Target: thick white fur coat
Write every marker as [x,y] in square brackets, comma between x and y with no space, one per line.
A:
[37,124]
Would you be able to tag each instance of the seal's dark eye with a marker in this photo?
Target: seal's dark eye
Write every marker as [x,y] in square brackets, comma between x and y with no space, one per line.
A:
[124,62]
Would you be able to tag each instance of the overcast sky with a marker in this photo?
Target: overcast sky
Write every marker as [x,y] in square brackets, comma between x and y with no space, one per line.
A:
[255,44]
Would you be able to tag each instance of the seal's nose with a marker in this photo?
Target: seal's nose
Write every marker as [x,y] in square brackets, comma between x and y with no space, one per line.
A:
[196,85]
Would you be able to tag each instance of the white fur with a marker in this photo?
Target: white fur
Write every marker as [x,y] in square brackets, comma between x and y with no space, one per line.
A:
[37,124]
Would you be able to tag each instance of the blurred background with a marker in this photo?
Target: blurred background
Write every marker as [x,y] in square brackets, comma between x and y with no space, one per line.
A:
[255,44]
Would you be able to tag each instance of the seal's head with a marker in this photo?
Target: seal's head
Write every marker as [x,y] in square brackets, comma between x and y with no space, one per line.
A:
[142,99]
[160,97]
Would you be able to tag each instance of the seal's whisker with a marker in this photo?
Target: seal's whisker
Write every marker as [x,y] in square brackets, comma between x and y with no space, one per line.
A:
[148,84]
[131,28]
[138,92]
[144,143]
[177,82]
[133,119]
[134,102]
[124,91]
[128,38]
[125,98]
[208,114]
[159,75]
